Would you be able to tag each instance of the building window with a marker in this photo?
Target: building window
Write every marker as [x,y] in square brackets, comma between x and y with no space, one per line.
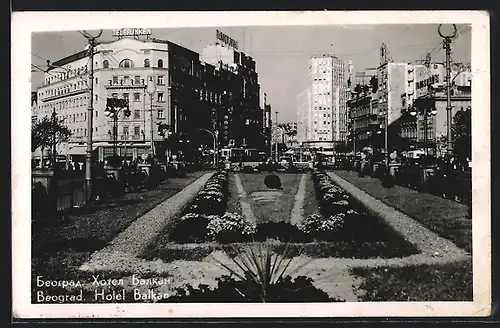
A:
[126,63]
[160,80]
[161,113]
[96,80]
[137,114]
[137,79]
[125,130]
[137,97]
[137,130]
[160,63]
[146,62]
[126,80]
[105,64]
[114,95]
[115,79]
[126,96]
[160,96]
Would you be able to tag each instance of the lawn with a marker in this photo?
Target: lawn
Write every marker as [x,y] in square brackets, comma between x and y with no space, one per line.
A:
[449,282]
[447,218]
[272,211]
[58,251]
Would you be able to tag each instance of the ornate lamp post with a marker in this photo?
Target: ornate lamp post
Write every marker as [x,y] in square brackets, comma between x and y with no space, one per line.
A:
[113,108]
[447,47]
[427,108]
[215,136]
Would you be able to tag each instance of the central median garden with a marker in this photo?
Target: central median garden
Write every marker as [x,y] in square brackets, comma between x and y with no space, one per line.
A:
[332,225]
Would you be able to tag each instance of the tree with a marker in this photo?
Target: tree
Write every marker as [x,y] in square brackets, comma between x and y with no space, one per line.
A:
[462,134]
[43,131]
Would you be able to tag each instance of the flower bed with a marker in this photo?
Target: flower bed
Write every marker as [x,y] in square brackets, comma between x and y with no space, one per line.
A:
[343,218]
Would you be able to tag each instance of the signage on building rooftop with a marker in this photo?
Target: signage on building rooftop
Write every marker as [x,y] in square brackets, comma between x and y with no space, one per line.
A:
[227,40]
[131,32]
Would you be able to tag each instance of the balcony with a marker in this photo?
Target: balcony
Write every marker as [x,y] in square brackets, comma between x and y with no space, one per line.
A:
[121,84]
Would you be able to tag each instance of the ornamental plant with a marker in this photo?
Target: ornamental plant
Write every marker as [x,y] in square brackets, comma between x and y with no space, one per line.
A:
[213,198]
[230,227]
[260,267]
[191,228]
[324,228]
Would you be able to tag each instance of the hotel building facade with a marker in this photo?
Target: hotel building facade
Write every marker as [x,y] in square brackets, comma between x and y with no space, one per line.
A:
[190,96]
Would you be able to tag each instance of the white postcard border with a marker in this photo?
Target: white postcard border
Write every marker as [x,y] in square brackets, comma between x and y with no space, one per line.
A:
[24,23]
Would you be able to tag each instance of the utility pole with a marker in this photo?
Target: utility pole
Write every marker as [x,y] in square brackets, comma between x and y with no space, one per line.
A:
[447,47]
[54,127]
[90,118]
[151,89]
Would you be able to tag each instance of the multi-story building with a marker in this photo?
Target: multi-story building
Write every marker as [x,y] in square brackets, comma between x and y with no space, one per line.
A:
[34,106]
[363,116]
[364,77]
[327,116]
[431,82]
[189,96]
[267,125]
[243,119]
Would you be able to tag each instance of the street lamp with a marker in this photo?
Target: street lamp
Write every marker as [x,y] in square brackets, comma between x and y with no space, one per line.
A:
[113,108]
[427,108]
[92,38]
[215,136]
[447,46]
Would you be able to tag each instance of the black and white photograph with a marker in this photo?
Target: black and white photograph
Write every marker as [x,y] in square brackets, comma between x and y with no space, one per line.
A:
[319,162]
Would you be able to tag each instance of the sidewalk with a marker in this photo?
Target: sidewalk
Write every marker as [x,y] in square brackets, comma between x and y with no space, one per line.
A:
[446,218]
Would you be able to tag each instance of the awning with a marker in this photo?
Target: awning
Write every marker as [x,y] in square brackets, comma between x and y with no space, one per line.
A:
[79,150]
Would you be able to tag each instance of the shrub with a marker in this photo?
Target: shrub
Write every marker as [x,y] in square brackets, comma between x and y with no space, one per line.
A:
[272,181]
[191,228]
[281,231]
[230,290]
[230,227]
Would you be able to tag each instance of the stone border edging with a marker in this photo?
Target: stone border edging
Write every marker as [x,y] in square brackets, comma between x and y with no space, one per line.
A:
[297,213]
[142,232]
[428,242]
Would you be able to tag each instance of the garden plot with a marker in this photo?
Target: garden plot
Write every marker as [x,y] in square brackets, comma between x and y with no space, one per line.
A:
[218,250]
[243,210]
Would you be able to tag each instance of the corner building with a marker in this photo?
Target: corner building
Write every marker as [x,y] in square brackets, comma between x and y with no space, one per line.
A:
[190,95]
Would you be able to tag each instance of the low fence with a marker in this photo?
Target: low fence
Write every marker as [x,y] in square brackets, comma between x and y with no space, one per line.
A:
[65,190]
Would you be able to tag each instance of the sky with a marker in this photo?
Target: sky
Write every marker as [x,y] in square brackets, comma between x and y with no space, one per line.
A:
[281,53]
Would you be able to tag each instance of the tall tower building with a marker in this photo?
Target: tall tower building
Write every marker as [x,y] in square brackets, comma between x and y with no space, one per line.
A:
[328,101]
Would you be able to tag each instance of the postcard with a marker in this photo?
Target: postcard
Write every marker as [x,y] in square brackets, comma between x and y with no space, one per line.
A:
[251,164]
